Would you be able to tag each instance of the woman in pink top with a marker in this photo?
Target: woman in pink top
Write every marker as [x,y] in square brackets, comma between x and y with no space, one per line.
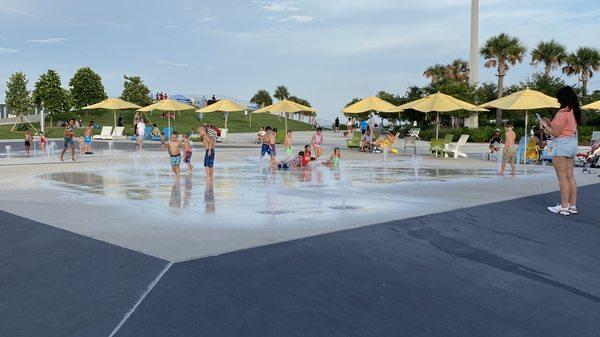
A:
[317,140]
[563,129]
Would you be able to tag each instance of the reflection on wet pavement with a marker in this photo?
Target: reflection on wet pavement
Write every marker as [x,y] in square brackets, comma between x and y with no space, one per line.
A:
[246,186]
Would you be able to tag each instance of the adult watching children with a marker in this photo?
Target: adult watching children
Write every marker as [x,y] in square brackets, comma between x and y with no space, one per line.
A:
[563,129]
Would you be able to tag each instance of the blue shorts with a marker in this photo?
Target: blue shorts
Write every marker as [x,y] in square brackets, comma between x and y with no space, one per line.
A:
[266,148]
[68,142]
[565,147]
[175,160]
[87,140]
[209,158]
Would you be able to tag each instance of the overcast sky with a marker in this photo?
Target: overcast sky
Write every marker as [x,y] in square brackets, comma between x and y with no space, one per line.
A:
[327,51]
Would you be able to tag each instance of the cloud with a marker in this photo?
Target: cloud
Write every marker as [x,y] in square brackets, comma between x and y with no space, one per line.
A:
[300,18]
[51,40]
[278,6]
[8,51]
[172,64]
[17,11]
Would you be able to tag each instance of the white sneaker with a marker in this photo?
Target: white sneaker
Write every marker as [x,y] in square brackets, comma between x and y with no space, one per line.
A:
[558,209]
[572,209]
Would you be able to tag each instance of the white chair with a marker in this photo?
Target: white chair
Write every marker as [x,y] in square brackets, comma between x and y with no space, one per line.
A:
[105,133]
[410,142]
[595,137]
[223,137]
[118,133]
[414,133]
[455,148]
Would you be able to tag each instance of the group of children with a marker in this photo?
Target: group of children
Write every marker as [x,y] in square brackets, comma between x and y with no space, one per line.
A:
[304,159]
[175,147]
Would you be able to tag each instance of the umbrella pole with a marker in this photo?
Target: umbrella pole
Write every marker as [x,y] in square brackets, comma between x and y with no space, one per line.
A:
[286,124]
[115,118]
[251,120]
[437,124]
[526,138]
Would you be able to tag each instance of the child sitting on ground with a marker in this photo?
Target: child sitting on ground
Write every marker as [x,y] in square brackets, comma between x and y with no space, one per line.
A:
[334,159]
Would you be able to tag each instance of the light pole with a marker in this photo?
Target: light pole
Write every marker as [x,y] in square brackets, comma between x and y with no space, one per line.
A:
[474,57]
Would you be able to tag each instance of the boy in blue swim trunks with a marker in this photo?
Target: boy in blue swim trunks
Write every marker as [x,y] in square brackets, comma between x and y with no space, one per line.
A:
[174,147]
[68,140]
[209,156]
[87,138]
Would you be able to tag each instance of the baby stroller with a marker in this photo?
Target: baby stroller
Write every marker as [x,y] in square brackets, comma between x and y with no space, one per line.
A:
[591,158]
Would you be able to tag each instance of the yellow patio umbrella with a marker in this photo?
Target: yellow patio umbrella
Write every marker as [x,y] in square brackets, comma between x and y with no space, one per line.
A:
[113,104]
[523,100]
[286,106]
[168,105]
[369,104]
[592,106]
[224,105]
[439,102]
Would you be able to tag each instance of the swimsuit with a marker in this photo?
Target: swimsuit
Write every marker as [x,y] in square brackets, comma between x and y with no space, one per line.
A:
[188,156]
[335,161]
[27,143]
[176,159]
[273,150]
[209,158]
[288,151]
[318,139]
[266,148]
[87,140]
[68,142]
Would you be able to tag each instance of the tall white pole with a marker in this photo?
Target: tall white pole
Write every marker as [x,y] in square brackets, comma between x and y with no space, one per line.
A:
[474,57]
[42,122]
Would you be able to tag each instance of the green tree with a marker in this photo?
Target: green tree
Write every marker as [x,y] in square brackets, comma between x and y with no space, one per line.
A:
[135,91]
[436,72]
[49,94]
[502,52]
[299,101]
[390,98]
[262,98]
[18,99]
[583,63]
[86,88]
[281,93]
[412,93]
[458,70]
[552,54]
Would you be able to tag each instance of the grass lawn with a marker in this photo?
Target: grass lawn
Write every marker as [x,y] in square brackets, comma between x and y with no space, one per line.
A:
[184,122]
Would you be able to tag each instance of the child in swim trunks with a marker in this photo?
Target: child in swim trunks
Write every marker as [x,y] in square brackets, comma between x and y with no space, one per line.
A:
[287,144]
[510,150]
[28,138]
[266,147]
[209,156]
[68,142]
[187,150]
[43,141]
[174,146]
[87,138]
[334,159]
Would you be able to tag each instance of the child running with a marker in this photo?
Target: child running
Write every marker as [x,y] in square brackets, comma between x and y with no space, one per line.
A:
[334,159]
[510,150]
[28,138]
[209,155]
[68,140]
[174,146]
[266,148]
[317,140]
[187,151]
[287,144]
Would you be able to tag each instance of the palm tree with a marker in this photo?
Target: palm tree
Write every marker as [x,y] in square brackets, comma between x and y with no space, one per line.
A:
[583,62]
[458,70]
[281,92]
[552,54]
[501,52]
[436,72]
[262,98]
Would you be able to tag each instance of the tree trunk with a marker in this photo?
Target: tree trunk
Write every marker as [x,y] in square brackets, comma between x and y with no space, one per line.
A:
[500,94]
[584,81]
[548,70]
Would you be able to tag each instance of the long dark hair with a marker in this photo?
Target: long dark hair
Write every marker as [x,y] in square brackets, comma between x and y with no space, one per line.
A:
[567,97]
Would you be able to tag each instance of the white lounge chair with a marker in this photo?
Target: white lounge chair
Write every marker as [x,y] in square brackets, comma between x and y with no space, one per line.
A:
[455,148]
[118,133]
[595,137]
[410,142]
[223,137]
[105,133]
[414,133]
